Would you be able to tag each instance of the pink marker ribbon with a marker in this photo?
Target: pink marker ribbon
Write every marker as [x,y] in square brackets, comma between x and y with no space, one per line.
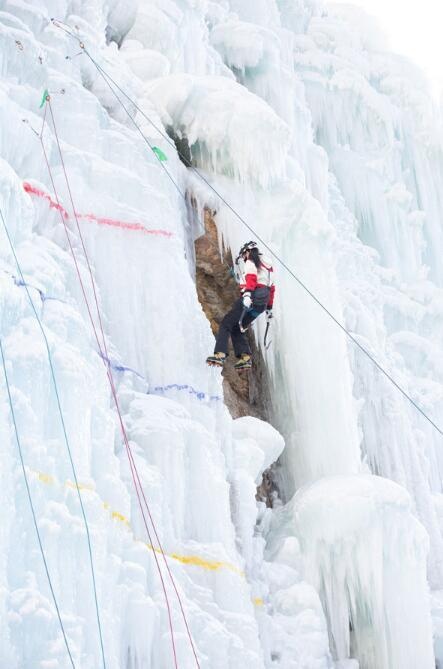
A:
[111,222]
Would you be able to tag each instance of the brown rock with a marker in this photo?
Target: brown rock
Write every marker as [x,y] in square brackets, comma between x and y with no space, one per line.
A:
[246,393]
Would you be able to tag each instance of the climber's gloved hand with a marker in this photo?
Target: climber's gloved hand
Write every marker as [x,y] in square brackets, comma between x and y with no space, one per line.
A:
[269,314]
[247,300]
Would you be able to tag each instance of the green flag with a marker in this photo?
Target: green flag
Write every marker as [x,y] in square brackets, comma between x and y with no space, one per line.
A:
[45,95]
[159,153]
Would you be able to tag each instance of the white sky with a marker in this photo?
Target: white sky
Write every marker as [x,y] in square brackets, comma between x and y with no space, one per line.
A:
[414,28]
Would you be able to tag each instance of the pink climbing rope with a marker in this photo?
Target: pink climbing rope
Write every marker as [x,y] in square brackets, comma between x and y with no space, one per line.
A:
[103,351]
[132,465]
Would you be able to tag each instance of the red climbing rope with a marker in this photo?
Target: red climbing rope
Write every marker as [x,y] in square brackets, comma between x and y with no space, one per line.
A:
[103,351]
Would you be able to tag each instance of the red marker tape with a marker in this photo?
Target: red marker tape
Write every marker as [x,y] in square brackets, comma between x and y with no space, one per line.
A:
[111,222]
[32,190]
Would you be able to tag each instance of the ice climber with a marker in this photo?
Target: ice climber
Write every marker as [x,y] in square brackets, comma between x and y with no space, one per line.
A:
[257,290]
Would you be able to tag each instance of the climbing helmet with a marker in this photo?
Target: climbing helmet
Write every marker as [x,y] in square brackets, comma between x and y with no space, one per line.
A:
[246,247]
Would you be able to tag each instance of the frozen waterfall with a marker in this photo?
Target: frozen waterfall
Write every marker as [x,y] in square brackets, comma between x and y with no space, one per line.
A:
[330,149]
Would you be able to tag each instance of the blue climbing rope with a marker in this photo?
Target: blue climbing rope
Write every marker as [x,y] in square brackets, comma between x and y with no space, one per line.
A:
[65,434]
[25,476]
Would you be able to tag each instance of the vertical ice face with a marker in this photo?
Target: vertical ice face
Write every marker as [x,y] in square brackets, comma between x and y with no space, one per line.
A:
[352,218]
[373,116]
[366,554]
[135,230]
[242,139]
[329,150]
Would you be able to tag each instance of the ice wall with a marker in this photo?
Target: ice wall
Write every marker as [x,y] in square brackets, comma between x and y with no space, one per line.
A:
[373,115]
[352,218]
[135,230]
[271,194]
[330,149]
[366,555]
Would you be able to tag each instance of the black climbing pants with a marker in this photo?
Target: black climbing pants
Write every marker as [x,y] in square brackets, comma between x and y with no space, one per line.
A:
[230,326]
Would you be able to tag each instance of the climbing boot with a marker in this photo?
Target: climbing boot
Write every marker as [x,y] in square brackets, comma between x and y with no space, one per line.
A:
[216,360]
[245,362]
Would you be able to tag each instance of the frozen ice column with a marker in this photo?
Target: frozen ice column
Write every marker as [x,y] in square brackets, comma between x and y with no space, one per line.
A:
[365,553]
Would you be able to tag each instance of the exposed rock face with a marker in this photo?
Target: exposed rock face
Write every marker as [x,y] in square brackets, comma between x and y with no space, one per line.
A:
[246,393]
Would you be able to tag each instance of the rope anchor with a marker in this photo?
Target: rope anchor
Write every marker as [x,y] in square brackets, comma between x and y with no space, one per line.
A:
[80,53]
[25,120]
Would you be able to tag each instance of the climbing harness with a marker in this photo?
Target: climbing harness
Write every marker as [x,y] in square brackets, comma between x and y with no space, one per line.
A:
[109,80]
[261,293]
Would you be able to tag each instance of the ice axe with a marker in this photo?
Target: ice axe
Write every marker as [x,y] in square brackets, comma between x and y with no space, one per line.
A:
[240,323]
[266,345]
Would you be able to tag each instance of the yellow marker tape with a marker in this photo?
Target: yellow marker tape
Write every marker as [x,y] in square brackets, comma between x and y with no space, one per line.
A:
[213,565]
[194,560]
[81,486]
[45,478]
[115,515]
